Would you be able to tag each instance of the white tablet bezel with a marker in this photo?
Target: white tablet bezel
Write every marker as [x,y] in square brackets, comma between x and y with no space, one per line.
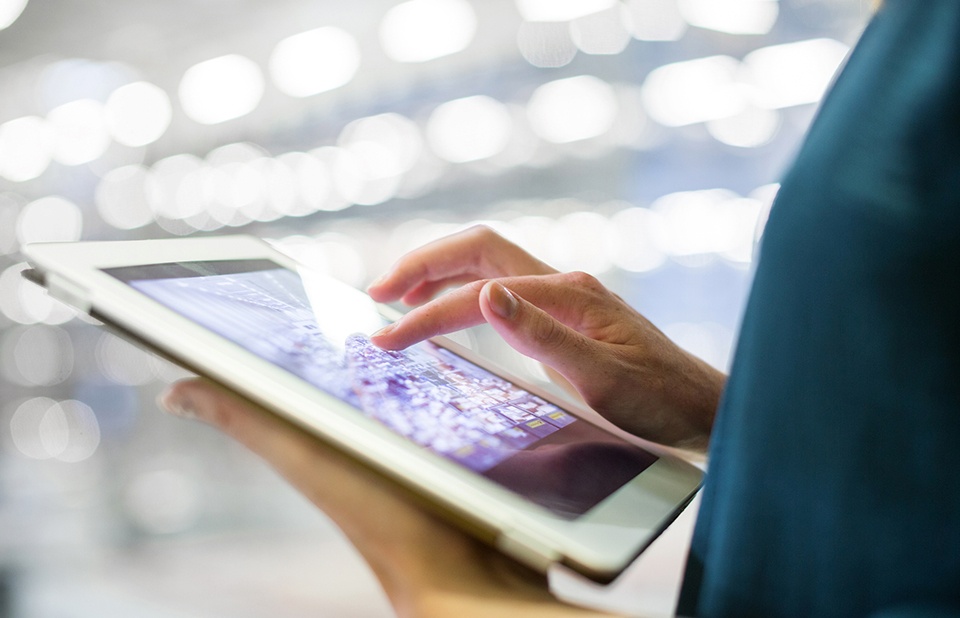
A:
[599,544]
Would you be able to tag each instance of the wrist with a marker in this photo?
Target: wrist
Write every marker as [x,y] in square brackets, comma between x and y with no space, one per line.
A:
[696,397]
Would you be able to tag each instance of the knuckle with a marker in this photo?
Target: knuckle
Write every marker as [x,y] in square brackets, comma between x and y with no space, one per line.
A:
[482,231]
[584,280]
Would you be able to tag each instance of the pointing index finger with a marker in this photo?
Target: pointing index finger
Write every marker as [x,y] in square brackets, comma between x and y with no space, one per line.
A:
[454,311]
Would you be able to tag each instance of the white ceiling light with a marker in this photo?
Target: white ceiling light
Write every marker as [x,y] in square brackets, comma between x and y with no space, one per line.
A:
[546,44]
[751,128]
[793,73]
[313,182]
[163,186]
[221,89]
[732,16]
[10,10]
[572,109]
[656,20]
[693,91]
[314,61]
[713,221]
[121,198]
[365,173]
[422,30]
[49,219]
[80,131]
[26,145]
[560,10]
[603,33]
[469,129]
[138,114]
[395,134]
[630,245]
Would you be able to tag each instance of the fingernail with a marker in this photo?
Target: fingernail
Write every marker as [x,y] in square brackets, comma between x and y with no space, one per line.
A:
[177,405]
[384,331]
[502,301]
[379,280]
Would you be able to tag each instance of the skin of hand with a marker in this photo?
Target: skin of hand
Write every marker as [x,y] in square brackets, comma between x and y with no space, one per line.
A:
[620,364]
[426,567]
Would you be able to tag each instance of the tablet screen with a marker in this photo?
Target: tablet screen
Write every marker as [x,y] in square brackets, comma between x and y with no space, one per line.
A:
[318,329]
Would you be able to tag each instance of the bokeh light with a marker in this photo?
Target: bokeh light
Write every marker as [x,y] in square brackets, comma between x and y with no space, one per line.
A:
[123,363]
[574,241]
[231,187]
[422,30]
[632,246]
[546,44]
[315,61]
[165,187]
[221,89]
[342,257]
[750,128]
[274,191]
[365,173]
[572,109]
[25,302]
[693,91]
[80,131]
[560,10]
[793,73]
[603,33]
[656,20]
[469,129]
[50,219]
[731,16]
[37,355]
[26,147]
[121,197]
[25,425]
[138,114]
[313,184]
[42,428]
[712,222]
[10,205]
[10,10]
[394,133]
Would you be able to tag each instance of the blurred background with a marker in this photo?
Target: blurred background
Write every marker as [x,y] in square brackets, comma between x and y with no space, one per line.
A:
[638,140]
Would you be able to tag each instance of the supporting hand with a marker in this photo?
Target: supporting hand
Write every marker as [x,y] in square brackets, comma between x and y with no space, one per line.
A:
[426,567]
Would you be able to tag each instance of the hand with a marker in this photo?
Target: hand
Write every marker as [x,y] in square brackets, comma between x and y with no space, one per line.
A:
[620,364]
[426,567]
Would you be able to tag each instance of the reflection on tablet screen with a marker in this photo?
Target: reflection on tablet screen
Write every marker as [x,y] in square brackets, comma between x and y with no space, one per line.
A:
[317,329]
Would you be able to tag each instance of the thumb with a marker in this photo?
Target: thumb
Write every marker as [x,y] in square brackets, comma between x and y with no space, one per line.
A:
[537,334]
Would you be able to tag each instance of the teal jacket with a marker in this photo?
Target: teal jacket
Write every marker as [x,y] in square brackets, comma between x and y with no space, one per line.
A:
[834,479]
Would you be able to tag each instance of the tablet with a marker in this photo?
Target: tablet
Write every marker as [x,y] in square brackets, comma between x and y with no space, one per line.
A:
[491,453]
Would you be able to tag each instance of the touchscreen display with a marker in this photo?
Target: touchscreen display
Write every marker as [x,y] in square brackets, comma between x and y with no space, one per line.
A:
[318,329]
